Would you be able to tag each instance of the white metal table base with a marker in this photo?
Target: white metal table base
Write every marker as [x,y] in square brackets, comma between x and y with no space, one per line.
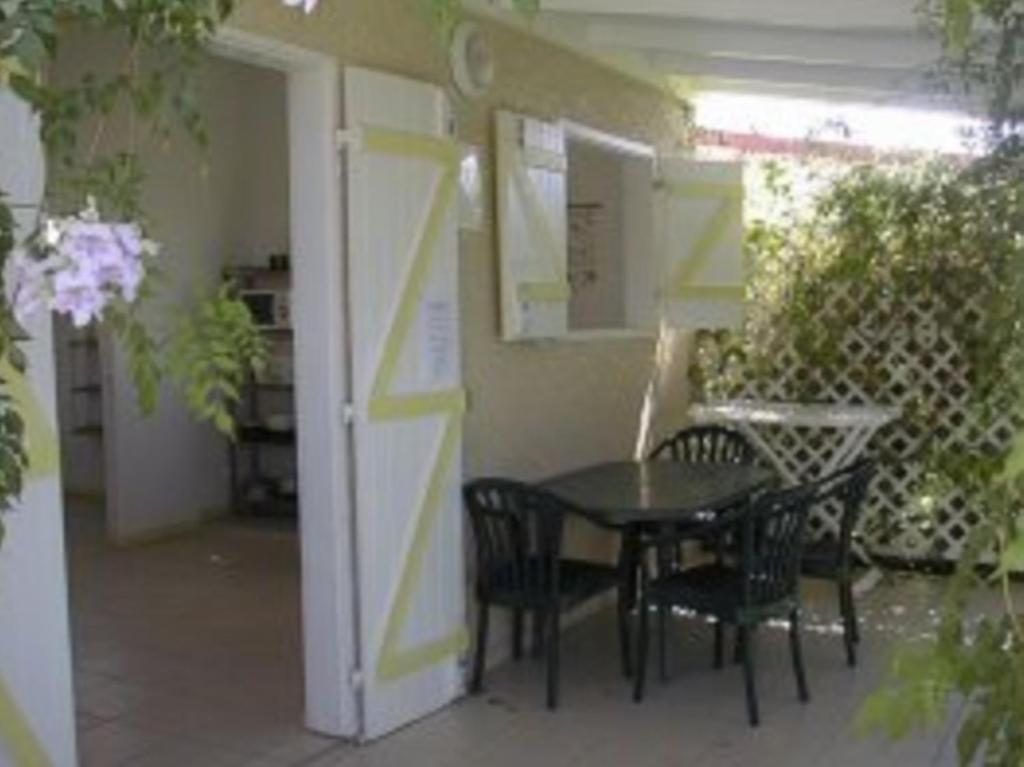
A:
[855,426]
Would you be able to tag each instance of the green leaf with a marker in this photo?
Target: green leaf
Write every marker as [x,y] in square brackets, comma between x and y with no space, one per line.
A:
[1012,559]
[215,349]
[1014,464]
[959,22]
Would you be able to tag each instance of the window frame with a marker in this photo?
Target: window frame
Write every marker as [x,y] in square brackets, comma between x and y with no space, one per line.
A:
[580,132]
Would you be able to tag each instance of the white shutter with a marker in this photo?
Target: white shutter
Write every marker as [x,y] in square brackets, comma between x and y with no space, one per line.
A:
[402,190]
[699,230]
[533,227]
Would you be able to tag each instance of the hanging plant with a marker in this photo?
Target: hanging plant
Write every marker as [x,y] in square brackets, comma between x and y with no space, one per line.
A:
[88,256]
[77,266]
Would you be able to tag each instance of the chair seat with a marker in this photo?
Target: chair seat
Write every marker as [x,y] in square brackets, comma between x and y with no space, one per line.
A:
[821,560]
[715,590]
[578,581]
[709,589]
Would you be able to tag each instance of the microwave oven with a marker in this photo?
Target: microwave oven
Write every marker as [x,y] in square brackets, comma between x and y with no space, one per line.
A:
[271,309]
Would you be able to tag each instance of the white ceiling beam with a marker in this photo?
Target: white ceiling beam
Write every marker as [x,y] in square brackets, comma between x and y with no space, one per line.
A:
[784,73]
[923,99]
[818,14]
[873,49]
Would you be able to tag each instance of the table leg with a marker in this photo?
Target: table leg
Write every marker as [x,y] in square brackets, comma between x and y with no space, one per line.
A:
[762,445]
[850,448]
[539,637]
[629,553]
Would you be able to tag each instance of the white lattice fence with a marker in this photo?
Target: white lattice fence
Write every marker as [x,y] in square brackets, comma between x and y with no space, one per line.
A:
[898,356]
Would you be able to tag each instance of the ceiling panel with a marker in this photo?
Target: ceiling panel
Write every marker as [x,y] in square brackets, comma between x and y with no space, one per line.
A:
[821,14]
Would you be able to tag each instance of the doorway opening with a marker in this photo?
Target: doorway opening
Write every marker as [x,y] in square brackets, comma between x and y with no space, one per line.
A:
[209,577]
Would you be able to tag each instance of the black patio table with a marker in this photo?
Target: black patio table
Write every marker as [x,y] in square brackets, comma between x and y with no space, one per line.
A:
[637,498]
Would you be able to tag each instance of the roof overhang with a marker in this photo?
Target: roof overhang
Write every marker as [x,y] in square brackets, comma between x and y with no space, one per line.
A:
[869,50]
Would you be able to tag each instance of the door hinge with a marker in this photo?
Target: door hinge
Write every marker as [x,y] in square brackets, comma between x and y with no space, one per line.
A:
[348,138]
[348,413]
[356,680]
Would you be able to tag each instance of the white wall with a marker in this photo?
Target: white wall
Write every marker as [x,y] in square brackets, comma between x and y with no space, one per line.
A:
[229,206]
[596,179]
[236,211]
[642,262]
[35,665]
[623,297]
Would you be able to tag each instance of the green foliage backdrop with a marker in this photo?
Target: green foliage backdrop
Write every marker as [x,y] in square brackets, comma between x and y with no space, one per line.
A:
[855,267]
[893,287]
[943,233]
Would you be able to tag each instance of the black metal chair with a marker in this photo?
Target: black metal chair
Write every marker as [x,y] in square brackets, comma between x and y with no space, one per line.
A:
[831,557]
[518,534]
[697,445]
[764,586]
[706,444]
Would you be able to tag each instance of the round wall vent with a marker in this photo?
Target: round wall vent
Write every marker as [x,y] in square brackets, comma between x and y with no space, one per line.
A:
[472,61]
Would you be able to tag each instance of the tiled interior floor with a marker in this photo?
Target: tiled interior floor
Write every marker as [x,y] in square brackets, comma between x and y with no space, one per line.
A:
[188,653]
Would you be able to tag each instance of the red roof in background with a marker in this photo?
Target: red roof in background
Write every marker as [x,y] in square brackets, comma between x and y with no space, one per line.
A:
[755,143]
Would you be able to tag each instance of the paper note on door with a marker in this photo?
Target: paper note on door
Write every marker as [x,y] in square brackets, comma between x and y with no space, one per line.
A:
[438,343]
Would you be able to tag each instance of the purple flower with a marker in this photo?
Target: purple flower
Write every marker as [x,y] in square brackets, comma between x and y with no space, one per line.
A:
[130,238]
[132,274]
[78,266]
[76,292]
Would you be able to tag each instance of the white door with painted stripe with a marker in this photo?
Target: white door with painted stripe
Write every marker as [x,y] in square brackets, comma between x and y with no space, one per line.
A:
[699,228]
[402,181]
[532,173]
[37,724]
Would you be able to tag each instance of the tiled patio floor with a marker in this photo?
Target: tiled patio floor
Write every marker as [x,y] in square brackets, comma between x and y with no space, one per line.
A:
[697,719]
[187,654]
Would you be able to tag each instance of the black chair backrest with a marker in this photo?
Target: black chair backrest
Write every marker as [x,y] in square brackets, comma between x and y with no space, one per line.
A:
[706,444]
[772,536]
[518,534]
[848,490]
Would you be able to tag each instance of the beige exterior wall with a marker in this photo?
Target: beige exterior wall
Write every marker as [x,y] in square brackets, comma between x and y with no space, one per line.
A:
[535,410]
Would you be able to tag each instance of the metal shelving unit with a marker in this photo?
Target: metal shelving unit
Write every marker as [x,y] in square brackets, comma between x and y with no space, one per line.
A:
[263,458]
[86,386]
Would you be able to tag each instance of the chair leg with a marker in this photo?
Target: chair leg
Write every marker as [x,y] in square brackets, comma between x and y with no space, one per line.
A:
[641,652]
[553,647]
[517,634]
[720,543]
[719,644]
[852,608]
[849,623]
[798,656]
[624,631]
[746,636]
[480,657]
[538,634]
[663,614]
[627,598]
